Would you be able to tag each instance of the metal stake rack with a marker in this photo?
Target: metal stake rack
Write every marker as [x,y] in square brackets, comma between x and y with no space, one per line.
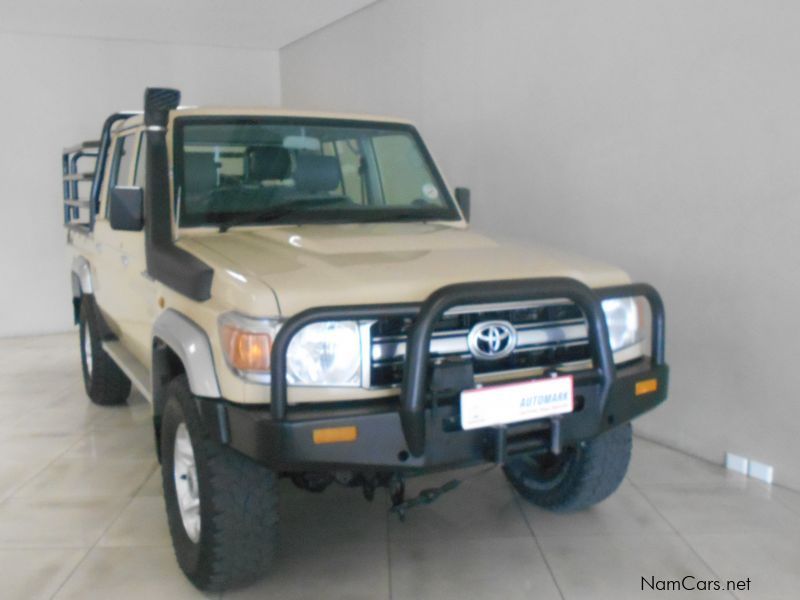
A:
[77,210]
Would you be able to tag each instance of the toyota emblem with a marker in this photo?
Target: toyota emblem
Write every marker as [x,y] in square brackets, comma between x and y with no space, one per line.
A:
[492,340]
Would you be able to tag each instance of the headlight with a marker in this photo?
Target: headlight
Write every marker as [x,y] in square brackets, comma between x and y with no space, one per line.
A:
[326,353]
[322,354]
[622,318]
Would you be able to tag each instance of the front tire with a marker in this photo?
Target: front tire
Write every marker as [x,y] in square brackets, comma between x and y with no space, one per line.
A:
[104,381]
[221,506]
[579,477]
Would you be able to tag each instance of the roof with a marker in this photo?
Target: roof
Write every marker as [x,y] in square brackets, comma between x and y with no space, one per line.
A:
[268,112]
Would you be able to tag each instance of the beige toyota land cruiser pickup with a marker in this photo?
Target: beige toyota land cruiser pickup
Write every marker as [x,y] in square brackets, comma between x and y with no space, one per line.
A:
[300,295]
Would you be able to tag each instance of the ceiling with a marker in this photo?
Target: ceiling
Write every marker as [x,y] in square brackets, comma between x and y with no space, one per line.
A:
[261,24]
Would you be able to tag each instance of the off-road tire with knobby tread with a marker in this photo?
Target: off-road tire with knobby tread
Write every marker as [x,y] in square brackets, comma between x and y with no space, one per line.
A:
[238,503]
[579,478]
[105,382]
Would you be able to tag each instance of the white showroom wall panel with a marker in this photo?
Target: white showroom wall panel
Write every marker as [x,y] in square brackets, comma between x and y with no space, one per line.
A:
[661,136]
[57,91]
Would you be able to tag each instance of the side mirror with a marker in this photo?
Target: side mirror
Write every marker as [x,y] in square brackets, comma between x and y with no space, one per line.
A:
[126,211]
[462,198]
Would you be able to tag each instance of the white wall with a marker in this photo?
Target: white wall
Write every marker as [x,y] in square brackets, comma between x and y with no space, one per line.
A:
[662,136]
[56,91]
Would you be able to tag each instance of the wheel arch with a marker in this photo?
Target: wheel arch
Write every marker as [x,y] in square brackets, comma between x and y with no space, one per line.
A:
[81,276]
[181,346]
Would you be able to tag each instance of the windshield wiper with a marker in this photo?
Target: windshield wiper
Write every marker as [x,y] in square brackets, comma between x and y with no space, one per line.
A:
[406,215]
[299,206]
[275,212]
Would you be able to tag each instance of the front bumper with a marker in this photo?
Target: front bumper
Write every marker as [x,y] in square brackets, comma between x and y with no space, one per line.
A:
[420,429]
[287,445]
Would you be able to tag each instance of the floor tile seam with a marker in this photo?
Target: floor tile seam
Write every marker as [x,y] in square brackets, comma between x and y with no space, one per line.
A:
[795,510]
[706,461]
[50,463]
[390,582]
[105,530]
[679,534]
[539,547]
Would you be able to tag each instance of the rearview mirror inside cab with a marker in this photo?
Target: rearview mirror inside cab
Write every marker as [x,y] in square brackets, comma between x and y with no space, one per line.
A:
[126,212]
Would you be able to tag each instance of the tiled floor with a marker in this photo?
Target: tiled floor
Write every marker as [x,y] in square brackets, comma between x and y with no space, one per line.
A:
[81,516]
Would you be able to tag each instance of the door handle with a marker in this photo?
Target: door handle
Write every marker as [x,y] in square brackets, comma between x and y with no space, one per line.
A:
[124,259]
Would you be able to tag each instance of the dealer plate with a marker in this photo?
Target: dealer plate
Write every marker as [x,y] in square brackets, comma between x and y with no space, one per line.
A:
[515,402]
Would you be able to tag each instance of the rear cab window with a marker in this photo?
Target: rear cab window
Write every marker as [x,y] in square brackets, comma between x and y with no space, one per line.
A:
[122,163]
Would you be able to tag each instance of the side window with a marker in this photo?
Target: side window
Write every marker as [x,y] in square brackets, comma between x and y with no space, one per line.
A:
[138,178]
[405,178]
[120,173]
[123,155]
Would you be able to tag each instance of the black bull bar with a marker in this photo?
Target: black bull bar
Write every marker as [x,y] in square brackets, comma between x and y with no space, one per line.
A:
[415,374]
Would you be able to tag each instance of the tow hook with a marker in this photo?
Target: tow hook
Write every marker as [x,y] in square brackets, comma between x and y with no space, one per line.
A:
[400,506]
[397,489]
[394,483]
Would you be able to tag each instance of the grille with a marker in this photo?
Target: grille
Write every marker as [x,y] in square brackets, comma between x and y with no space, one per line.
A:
[549,333]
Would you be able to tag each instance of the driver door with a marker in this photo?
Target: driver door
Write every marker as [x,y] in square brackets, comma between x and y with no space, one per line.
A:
[126,294]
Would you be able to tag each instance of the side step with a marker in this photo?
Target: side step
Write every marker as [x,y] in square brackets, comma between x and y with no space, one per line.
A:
[136,371]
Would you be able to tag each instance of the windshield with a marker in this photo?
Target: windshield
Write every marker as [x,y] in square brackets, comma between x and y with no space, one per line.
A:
[244,171]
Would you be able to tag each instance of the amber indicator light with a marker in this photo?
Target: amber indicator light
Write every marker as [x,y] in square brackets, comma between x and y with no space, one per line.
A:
[335,435]
[646,386]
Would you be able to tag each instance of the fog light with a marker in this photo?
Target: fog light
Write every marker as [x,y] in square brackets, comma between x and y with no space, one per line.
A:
[335,435]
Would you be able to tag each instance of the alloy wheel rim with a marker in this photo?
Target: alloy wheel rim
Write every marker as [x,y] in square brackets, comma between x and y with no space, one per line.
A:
[186,484]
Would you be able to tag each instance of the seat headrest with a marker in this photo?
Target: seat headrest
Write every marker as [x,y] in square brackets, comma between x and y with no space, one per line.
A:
[267,163]
[200,172]
[316,173]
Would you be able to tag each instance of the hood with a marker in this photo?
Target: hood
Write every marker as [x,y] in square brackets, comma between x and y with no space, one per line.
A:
[318,265]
